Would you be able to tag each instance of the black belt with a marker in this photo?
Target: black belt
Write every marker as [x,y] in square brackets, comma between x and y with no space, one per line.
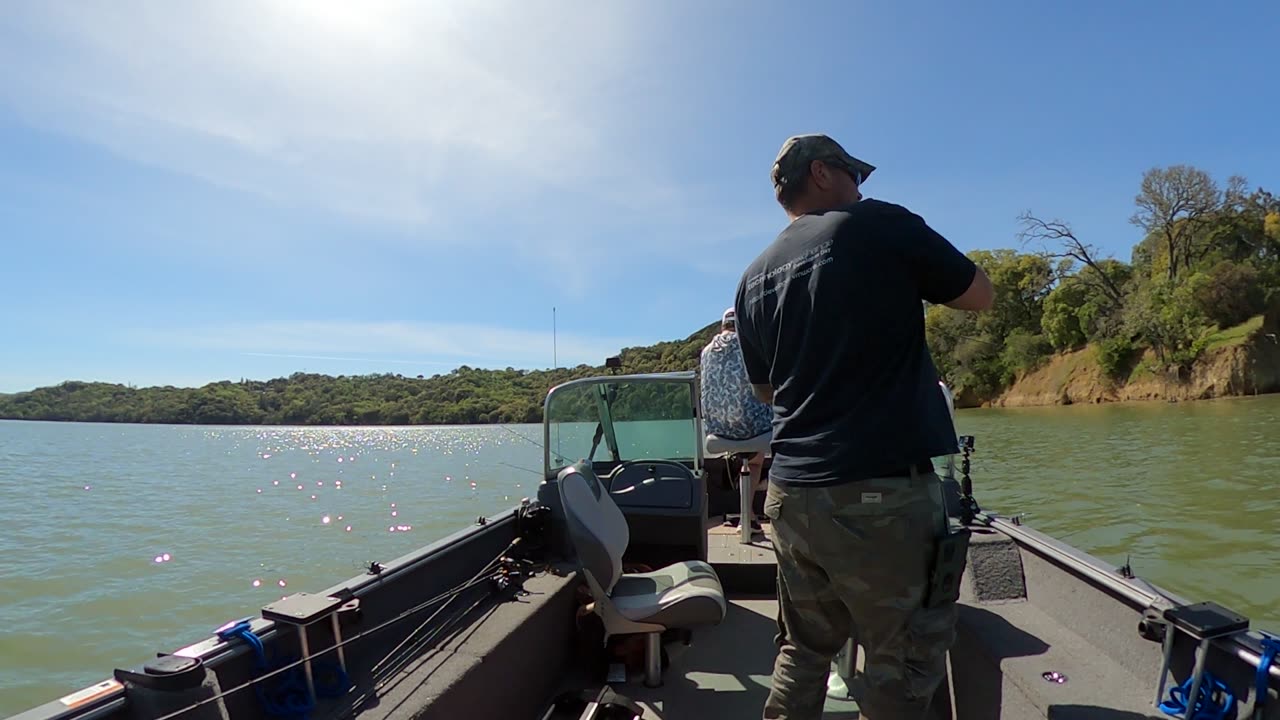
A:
[920,466]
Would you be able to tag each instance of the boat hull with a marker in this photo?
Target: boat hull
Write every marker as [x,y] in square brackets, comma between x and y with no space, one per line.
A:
[1045,630]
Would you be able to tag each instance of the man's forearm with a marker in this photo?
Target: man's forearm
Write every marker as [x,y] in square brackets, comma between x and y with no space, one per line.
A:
[763,393]
[980,295]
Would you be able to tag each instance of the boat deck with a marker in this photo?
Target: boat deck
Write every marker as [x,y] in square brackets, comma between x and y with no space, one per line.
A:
[725,672]
[1005,648]
[724,546]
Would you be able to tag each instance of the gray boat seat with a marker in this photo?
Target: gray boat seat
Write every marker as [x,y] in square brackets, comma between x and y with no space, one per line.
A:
[684,595]
[716,445]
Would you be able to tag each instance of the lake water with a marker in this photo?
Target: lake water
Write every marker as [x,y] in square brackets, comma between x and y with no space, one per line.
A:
[120,541]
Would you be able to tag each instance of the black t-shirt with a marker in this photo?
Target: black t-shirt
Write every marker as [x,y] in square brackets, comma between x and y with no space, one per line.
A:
[831,316]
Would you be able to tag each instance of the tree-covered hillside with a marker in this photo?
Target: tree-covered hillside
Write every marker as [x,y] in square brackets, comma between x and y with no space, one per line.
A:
[466,395]
[1206,268]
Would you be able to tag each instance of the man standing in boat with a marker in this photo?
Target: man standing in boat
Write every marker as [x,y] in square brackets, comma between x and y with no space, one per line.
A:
[729,408]
[829,321]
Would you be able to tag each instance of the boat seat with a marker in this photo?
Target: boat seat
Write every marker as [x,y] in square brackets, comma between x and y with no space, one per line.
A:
[716,445]
[684,595]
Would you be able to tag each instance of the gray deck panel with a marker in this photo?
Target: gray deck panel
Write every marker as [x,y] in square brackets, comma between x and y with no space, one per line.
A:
[1027,642]
[1004,648]
[725,672]
[725,547]
[455,678]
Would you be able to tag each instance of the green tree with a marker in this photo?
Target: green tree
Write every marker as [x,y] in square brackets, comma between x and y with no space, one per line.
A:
[969,348]
[1021,282]
[1061,320]
[1228,293]
[1166,315]
[1058,242]
[1173,205]
[1114,356]
[1100,313]
[1022,353]
[945,329]
[1092,287]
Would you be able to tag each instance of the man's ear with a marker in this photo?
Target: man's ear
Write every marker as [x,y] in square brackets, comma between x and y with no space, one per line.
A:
[821,174]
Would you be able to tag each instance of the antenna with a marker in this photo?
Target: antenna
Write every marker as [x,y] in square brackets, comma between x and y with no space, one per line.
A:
[555,361]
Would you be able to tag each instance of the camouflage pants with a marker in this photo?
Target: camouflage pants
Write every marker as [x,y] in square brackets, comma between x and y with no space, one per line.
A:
[855,559]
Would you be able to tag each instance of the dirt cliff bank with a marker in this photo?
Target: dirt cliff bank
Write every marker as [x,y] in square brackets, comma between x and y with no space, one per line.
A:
[1243,365]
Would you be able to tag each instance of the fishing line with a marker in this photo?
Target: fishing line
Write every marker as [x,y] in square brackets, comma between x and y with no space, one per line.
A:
[517,467]
[522,437]
[535,443]
[475,581]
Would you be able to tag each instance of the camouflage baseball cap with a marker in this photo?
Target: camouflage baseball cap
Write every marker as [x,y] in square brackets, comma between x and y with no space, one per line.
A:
[799,151]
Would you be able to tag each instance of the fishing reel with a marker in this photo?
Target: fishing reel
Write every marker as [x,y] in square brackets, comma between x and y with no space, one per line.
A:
[533,524]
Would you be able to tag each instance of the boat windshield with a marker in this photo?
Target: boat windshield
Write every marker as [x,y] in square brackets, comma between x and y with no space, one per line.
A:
[619,419]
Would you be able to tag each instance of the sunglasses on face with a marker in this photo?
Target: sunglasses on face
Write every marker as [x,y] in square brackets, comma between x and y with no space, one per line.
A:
[853,172]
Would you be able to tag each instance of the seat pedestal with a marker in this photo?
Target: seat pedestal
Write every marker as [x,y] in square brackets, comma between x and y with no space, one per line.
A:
[716,445]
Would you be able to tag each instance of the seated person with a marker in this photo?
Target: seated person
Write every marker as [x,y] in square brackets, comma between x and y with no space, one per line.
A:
[729,408]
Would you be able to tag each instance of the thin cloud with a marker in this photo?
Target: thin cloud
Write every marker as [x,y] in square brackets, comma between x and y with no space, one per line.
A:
[381,109]
[336,358]
[447,344]
[497,124]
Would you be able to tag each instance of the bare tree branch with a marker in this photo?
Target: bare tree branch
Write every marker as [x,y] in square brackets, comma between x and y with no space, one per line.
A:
[1057,233]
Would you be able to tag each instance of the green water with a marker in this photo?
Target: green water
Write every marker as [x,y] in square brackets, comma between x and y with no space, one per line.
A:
[1190,492]
[120,541]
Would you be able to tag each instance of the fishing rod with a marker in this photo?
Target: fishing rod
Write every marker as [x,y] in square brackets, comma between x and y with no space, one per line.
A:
[535,443]
[522,437]
[518,467]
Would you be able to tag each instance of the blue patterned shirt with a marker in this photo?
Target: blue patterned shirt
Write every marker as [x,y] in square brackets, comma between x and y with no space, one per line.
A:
[729,409]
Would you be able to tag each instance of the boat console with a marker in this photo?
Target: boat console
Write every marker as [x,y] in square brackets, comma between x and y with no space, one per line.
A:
[641,436]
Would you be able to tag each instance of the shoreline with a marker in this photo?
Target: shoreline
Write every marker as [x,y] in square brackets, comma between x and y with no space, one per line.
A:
[1000,404]
[1248,368]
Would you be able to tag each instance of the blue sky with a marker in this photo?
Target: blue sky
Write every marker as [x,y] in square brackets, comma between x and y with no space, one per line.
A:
[200,191]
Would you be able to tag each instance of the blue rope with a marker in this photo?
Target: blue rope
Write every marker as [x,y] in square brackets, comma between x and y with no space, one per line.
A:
[1206,707]
[288,696]
[1270,648]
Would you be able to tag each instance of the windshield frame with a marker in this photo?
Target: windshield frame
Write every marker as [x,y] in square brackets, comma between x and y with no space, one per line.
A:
[688,378]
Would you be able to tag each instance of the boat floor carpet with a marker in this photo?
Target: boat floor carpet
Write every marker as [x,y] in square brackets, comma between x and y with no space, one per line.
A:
[725,672]
[1003,652]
